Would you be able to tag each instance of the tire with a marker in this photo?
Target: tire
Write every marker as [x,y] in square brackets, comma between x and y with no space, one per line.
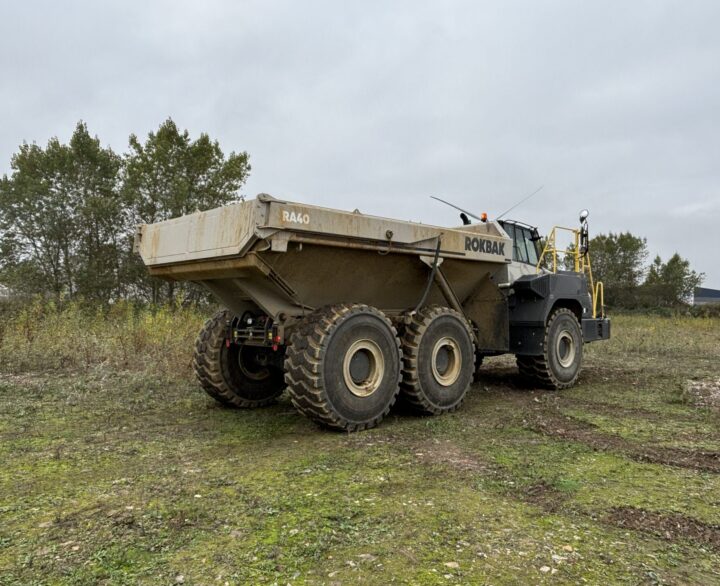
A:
[559,365]
[342,367]
[231,374]
[438,360]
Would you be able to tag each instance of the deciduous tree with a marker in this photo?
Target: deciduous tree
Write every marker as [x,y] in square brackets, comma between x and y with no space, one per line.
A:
[170,175]
[670,283]
[60,216]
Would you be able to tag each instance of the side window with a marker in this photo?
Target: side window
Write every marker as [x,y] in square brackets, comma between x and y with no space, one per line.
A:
[531,248]
[521,245]
[524,249]
[510,229]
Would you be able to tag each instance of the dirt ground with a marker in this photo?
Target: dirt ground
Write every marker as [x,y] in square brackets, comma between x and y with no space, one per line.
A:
[118,477]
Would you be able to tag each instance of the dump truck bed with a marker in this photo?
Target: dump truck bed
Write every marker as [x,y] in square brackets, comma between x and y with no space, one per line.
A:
[286,259]
[233,231]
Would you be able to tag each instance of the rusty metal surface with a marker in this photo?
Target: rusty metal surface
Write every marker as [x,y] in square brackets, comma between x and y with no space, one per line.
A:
[225,231]
[322,275]
[356,229]
[288,258]
[235,229]
[222,268]
[488,310]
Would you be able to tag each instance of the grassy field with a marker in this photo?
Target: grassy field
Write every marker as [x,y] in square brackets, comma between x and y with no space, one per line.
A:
[116,469]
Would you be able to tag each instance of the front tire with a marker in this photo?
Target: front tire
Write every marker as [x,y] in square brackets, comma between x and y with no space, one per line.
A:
[342,367]
[559,365]
[234,374]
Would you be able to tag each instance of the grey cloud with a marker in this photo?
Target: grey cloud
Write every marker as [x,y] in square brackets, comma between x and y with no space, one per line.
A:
[377,105]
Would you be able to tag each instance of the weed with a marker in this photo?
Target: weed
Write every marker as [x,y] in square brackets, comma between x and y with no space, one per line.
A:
[118,470]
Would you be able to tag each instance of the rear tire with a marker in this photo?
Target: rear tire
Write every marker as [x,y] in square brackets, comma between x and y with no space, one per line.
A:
[342,367]
[232,375]
[438,360]
[559,365]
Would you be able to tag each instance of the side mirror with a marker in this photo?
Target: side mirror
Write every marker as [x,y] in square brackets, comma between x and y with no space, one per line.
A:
[584,236]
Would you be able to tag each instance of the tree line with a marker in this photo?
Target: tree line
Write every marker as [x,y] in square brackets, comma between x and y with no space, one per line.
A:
[68,214]
[620,262]
[68,211]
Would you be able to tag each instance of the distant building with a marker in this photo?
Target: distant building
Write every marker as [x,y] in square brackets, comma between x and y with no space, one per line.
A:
[4,292]
[704,296]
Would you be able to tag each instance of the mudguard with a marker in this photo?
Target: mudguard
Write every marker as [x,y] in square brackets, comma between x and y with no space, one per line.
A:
[534,297]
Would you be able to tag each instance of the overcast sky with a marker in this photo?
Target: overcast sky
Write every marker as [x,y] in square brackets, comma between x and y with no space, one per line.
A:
[613,106]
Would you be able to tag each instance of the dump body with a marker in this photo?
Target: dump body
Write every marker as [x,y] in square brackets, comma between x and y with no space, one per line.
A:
[288,258]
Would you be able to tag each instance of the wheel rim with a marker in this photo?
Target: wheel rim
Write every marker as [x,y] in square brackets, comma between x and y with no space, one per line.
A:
[249,367]
[565,349]
[363,368]
[446,361]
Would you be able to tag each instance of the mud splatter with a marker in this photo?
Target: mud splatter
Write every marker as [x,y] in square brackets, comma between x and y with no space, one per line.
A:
[704,393]
[668,526]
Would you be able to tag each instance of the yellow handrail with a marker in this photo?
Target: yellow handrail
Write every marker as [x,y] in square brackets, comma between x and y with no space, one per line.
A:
[599,293]
[581,264]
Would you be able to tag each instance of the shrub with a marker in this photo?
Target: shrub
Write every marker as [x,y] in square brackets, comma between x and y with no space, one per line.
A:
[43,335]
[709,310]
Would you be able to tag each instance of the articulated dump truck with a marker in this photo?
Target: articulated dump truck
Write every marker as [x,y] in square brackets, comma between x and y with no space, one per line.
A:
[349,312]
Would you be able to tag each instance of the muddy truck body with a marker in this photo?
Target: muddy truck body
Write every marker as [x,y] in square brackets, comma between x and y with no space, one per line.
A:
[346,312]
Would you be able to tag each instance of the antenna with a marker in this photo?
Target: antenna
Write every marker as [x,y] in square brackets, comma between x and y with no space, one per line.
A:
[452,205]
[518,203]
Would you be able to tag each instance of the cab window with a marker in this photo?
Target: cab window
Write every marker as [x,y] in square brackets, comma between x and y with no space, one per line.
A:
[510,230]
[531,247]
[520,240]
[524,248]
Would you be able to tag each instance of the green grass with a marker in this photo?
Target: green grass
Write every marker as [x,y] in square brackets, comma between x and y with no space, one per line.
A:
[117,471]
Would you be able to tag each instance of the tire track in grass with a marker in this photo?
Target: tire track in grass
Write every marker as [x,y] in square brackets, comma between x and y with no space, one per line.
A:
[446,454]
[667,526]
[568,428]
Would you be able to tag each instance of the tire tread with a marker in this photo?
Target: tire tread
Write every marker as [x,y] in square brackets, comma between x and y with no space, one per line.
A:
[413,332]
[304,362]
[208,367]
[537,368]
